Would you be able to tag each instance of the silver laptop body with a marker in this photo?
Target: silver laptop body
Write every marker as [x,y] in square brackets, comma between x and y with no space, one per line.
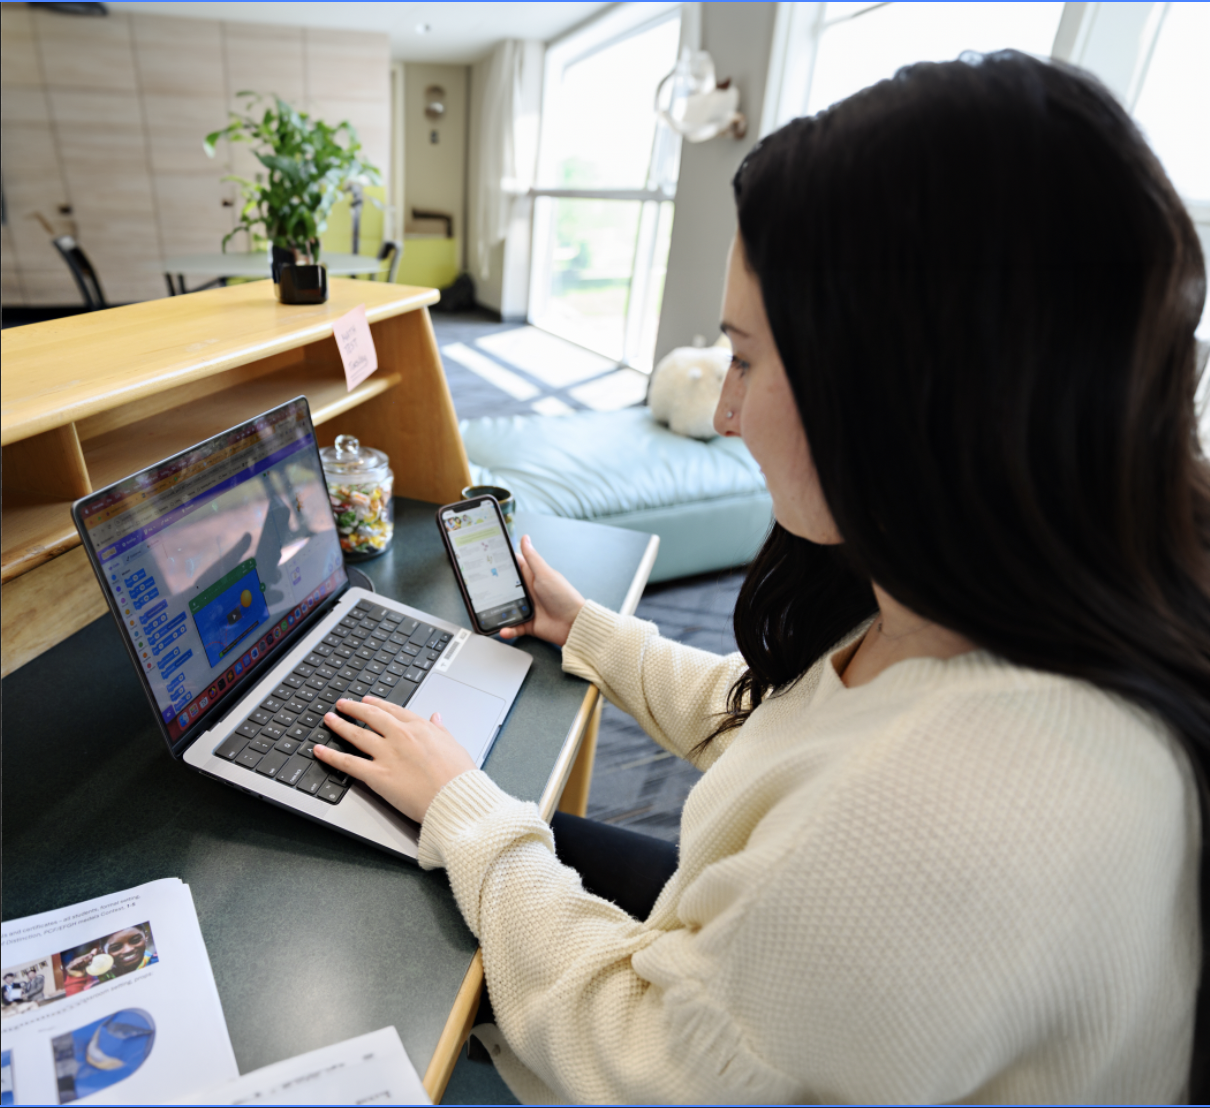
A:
[223,568]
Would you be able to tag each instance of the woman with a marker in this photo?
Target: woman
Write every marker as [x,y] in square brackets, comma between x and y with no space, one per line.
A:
[947,842]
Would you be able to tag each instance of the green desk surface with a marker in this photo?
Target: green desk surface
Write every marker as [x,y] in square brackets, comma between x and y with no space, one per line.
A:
[313,937]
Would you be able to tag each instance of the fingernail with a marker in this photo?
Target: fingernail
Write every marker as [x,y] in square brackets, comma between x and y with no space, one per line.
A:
[436,717]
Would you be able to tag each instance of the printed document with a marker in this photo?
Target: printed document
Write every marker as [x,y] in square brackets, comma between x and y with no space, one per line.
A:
[111,1001]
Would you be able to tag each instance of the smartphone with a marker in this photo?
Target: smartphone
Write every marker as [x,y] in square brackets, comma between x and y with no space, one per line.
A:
[477,541]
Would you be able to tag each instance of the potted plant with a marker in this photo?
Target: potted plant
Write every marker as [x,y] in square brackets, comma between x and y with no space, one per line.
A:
[307,165]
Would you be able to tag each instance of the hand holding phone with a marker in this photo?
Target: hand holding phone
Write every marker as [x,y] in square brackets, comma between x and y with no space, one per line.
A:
[556,600]
[489,578]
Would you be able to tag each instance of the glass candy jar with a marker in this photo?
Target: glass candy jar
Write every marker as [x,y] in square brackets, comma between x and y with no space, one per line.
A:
[359,488]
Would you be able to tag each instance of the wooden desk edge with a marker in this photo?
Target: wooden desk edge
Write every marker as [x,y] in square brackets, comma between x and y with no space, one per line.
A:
[466,1003]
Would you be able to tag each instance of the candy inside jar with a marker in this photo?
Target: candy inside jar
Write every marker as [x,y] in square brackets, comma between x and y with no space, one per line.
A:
[360,484]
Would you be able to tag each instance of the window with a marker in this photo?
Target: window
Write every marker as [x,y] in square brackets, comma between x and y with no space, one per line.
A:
[606,181]
[863,43]
[1173,107]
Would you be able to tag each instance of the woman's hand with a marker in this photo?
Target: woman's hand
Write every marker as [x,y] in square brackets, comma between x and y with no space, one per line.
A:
[556,602]
[77,966]
[411,759]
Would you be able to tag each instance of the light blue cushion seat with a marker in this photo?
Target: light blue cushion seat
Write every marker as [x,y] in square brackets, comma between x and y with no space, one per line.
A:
[706,500]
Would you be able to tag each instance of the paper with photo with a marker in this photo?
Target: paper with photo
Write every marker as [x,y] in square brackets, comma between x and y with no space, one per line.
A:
[111,1001]
[370,1069]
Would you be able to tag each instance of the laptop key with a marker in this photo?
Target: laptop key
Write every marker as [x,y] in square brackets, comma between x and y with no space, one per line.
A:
[271,763]
[340,683]
[231,747]
[248,758]
[292,681]
[414,674]
[296,707]
[260,716]
[338,633]
[366,653]
[375,643]
[287,745]
[374,667]
[273,705]
[380,690]
[312,780]
[387,679]
[434,640]
[368,624]
[397,669]
[317,682]
[349,673]
[323,649]
[311,719]
[410,650]
[303,671]
[376,612]
[408,626]
[326,672]
[423,663]
[261,744]
[304,694]
[357,688]
[401,694]
[343,652]
[331,641]
[314,660]
[331,792]
[282,693]
[422,634]
[293,770]
[247,730]
[433,655]
[284,718]
[330,696]
[272,731]
[349,622]
[298,732]
[397,639]
[384,656]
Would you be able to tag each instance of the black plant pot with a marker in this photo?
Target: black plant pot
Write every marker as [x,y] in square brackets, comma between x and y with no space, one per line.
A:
[302,284]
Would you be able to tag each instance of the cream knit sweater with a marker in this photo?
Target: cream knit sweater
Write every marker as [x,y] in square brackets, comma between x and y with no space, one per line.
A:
[964,880]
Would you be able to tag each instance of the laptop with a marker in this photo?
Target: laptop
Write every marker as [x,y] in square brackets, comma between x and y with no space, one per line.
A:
[223,568]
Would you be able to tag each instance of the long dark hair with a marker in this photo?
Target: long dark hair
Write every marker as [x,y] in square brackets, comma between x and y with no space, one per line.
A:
[984,290]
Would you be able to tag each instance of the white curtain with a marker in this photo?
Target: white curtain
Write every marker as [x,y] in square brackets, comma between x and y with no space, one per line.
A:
[510,101]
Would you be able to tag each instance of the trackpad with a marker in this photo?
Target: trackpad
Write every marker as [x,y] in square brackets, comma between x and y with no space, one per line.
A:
[468,714]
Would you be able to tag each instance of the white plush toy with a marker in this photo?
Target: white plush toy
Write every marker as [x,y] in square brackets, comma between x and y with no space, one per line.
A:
[685,388]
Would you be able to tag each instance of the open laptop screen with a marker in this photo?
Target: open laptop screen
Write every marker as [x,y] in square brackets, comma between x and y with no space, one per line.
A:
[212,557]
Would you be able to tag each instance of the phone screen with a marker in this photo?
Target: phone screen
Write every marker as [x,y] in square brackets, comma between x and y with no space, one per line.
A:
[485,561]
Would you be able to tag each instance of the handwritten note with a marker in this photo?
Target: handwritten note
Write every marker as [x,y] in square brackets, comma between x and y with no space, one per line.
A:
[356,346]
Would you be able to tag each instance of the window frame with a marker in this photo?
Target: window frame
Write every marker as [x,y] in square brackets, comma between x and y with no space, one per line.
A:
[614,26]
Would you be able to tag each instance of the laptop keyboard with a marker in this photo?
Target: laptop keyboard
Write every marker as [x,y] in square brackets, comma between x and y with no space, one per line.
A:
[372,650]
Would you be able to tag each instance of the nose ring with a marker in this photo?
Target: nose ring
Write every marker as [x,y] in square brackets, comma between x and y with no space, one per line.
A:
[730,413]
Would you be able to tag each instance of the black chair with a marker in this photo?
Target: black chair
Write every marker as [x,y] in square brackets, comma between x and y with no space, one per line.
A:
[389,253]
[81,269]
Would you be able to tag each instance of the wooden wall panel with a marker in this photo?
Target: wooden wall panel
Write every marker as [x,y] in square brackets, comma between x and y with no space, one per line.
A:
[264,59]
[78,52]
[103,120]
[179,57]
[18,56]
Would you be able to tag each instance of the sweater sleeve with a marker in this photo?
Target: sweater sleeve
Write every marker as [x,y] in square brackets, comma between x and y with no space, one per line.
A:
[577,1021]
[981,906]
[676,692]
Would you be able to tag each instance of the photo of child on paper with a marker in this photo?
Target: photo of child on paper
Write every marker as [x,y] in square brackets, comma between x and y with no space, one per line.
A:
[89,964]
[101,1053]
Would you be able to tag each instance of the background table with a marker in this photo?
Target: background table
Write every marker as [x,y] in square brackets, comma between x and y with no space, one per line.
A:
[313,937]
[222,266]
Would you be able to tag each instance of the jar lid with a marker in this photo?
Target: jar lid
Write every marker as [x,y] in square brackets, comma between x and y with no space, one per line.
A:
[350,461]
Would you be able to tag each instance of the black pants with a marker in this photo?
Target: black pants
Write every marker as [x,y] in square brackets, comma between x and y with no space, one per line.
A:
[619,865]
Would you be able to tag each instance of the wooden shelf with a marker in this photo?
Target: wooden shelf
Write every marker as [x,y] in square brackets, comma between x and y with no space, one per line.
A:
[88,400]
[125,450]
[35,531]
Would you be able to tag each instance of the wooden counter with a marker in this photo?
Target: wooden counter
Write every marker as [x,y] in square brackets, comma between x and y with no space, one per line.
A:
[87,400]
